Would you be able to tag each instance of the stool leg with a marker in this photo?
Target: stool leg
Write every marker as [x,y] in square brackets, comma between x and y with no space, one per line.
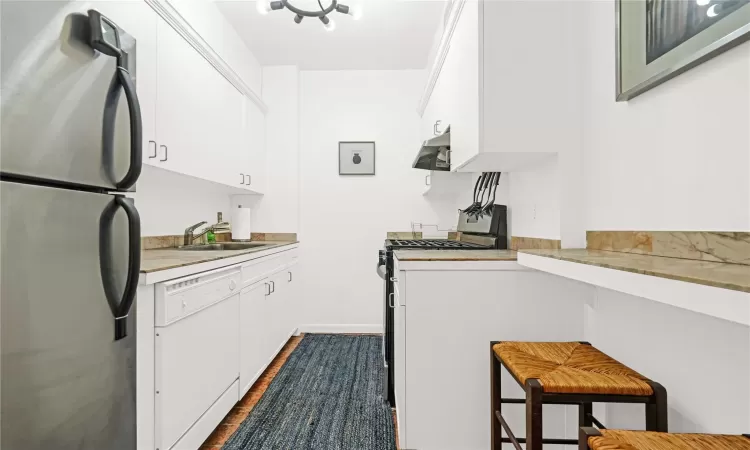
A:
[495,427]
[584,415]
[656,410]
[584,433]
[533,414]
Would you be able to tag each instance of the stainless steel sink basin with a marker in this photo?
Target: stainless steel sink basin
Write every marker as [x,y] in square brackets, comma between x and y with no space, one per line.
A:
[224,246]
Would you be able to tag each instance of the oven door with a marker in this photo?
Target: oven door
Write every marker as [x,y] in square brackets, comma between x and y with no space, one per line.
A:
[385,271]
[388,344]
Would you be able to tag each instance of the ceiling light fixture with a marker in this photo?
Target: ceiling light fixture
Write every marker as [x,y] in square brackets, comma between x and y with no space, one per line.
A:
[266,6]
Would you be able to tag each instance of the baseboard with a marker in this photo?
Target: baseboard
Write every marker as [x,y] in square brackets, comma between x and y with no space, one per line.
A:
[357,328]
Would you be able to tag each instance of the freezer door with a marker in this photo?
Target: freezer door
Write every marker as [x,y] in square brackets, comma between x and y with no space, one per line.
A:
[68,113]
[67,382]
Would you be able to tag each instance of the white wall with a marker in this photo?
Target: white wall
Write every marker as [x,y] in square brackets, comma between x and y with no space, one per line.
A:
[703,362]
[169,202]
[535,202]
[674,158]
[344,220]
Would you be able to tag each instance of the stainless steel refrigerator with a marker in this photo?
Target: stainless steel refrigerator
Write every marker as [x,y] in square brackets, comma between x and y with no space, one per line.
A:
[70,248]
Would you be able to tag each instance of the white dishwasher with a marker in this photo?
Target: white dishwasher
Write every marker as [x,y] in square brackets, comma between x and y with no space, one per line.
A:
[197,354]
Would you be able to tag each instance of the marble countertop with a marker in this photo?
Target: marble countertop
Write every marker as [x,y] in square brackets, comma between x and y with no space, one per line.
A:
[170,258]
[455,255]
[722,275]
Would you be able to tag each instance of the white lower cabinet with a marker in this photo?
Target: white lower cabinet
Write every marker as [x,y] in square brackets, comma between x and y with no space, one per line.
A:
[205,341]
[442,346]
[255,338]
[399,329]
[265,324]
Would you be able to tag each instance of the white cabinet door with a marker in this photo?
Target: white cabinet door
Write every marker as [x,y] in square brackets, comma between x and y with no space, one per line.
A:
[254,330]
[437,115]
[253,151]
[291,300]
[139,21]
[198,113]
[459,85]
[399,339]
[280,297]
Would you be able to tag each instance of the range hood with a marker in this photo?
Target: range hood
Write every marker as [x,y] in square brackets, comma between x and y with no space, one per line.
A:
[435,153]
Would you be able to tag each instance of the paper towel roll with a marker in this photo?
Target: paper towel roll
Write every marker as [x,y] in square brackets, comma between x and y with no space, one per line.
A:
[241,224]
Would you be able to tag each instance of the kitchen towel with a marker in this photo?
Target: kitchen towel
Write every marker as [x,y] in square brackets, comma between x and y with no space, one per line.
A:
[241,224]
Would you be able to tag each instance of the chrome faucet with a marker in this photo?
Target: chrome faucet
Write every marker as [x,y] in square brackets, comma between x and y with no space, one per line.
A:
[189,238]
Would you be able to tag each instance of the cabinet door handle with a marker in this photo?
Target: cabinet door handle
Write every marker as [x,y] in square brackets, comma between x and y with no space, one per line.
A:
[155,150]
[427,180]
[435,127]
[243,178]
[290,277]
[273,287]
[166,153]
[390,299]
[249,179]
[268,290]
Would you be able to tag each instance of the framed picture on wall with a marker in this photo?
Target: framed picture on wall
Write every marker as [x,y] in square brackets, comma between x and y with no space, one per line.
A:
[356,158]
[660,39]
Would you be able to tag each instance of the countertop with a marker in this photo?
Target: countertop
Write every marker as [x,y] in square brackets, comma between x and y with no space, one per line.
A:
[455,255]
[722,275]
[170,258]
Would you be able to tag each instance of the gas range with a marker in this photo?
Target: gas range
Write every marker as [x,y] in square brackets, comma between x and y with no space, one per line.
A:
[482,232]
[429,244]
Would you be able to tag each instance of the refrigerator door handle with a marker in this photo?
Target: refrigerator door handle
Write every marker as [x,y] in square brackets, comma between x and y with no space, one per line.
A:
[120,307]
[122,79]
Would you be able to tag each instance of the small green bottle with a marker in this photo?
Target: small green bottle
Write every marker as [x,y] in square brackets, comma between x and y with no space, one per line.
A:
[211,237]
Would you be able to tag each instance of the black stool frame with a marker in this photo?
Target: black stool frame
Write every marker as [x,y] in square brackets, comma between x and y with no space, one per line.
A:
[656,408]
[586,432]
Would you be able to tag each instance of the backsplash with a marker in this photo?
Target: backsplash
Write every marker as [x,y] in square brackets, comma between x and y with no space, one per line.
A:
[730,247]
[521,242]
[172,241]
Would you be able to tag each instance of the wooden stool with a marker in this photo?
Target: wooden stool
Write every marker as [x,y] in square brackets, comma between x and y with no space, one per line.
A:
[567,373]
[593,439]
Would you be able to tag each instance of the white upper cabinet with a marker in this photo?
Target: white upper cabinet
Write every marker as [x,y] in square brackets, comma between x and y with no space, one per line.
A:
[139,21]
[509,106]
[253,152]
[195,121]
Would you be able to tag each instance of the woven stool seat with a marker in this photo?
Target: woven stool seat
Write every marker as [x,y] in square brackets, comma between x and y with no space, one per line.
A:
[648,440]
[570,368]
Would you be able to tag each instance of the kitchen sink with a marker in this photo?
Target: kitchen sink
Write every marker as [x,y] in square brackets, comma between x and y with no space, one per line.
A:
[225,246]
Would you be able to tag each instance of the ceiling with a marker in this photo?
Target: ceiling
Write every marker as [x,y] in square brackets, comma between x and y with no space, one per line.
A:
[392,34]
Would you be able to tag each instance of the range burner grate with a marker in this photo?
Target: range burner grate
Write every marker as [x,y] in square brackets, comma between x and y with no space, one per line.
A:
[432,243]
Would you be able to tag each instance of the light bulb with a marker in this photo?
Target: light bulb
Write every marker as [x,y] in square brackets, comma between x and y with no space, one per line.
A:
[330,25]
[263,6]
[356,12]
[712,11]
[702,2]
